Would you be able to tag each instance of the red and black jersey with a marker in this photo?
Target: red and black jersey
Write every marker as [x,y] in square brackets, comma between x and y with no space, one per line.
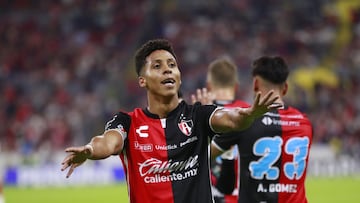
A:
[274,154]
[166,160]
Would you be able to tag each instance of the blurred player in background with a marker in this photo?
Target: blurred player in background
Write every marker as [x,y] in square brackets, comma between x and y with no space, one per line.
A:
[274,151]
[164,147]
[222,84]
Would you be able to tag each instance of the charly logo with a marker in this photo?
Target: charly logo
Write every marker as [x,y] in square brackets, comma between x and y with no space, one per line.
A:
[141,131]
[186,127]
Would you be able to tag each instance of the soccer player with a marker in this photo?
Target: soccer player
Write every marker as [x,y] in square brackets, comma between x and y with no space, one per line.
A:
[274,150]
[164,146]
[222,84]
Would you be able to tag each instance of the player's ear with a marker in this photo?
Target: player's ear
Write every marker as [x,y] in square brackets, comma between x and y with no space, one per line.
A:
[255,84]
[142,81]
[236,87]
[284,89]
[208,85]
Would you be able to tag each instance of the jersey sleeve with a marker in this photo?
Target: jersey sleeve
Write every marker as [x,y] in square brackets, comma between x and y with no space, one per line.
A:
[224,141]
[204,113]
[121,123]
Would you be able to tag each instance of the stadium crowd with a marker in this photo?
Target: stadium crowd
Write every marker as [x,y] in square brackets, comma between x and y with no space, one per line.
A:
[66,66]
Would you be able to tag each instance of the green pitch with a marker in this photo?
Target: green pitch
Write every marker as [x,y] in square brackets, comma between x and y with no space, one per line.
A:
[319,190]
[332,190]
[82,194]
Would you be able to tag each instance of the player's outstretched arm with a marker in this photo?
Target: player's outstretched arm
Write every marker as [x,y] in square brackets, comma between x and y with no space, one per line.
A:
[236,119]
[100,147]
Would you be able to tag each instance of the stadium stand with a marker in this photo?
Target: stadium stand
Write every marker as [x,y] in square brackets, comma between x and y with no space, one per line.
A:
[65,66]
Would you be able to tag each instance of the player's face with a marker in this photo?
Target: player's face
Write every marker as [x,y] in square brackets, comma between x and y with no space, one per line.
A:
[161,75]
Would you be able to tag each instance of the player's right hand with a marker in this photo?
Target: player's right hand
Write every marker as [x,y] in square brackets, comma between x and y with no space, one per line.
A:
[76,157]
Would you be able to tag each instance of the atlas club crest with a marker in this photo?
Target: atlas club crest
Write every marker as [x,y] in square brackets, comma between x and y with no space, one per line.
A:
[186,127]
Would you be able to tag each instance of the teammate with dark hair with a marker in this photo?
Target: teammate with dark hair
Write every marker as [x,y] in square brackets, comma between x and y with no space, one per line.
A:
[274,150]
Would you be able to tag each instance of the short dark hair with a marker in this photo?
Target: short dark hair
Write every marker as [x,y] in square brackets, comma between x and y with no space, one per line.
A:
[272,69]
[146,49]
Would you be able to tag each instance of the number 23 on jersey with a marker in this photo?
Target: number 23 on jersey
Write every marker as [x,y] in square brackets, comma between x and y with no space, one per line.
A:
[270,149]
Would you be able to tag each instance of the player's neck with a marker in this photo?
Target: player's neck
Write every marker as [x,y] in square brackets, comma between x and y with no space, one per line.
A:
[162,106]
[276,92]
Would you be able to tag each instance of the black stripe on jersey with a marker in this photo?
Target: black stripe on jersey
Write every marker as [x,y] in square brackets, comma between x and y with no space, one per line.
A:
[187,134]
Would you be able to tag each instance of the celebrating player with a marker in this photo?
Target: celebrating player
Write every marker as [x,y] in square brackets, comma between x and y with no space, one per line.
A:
[164,147]
[274,150]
